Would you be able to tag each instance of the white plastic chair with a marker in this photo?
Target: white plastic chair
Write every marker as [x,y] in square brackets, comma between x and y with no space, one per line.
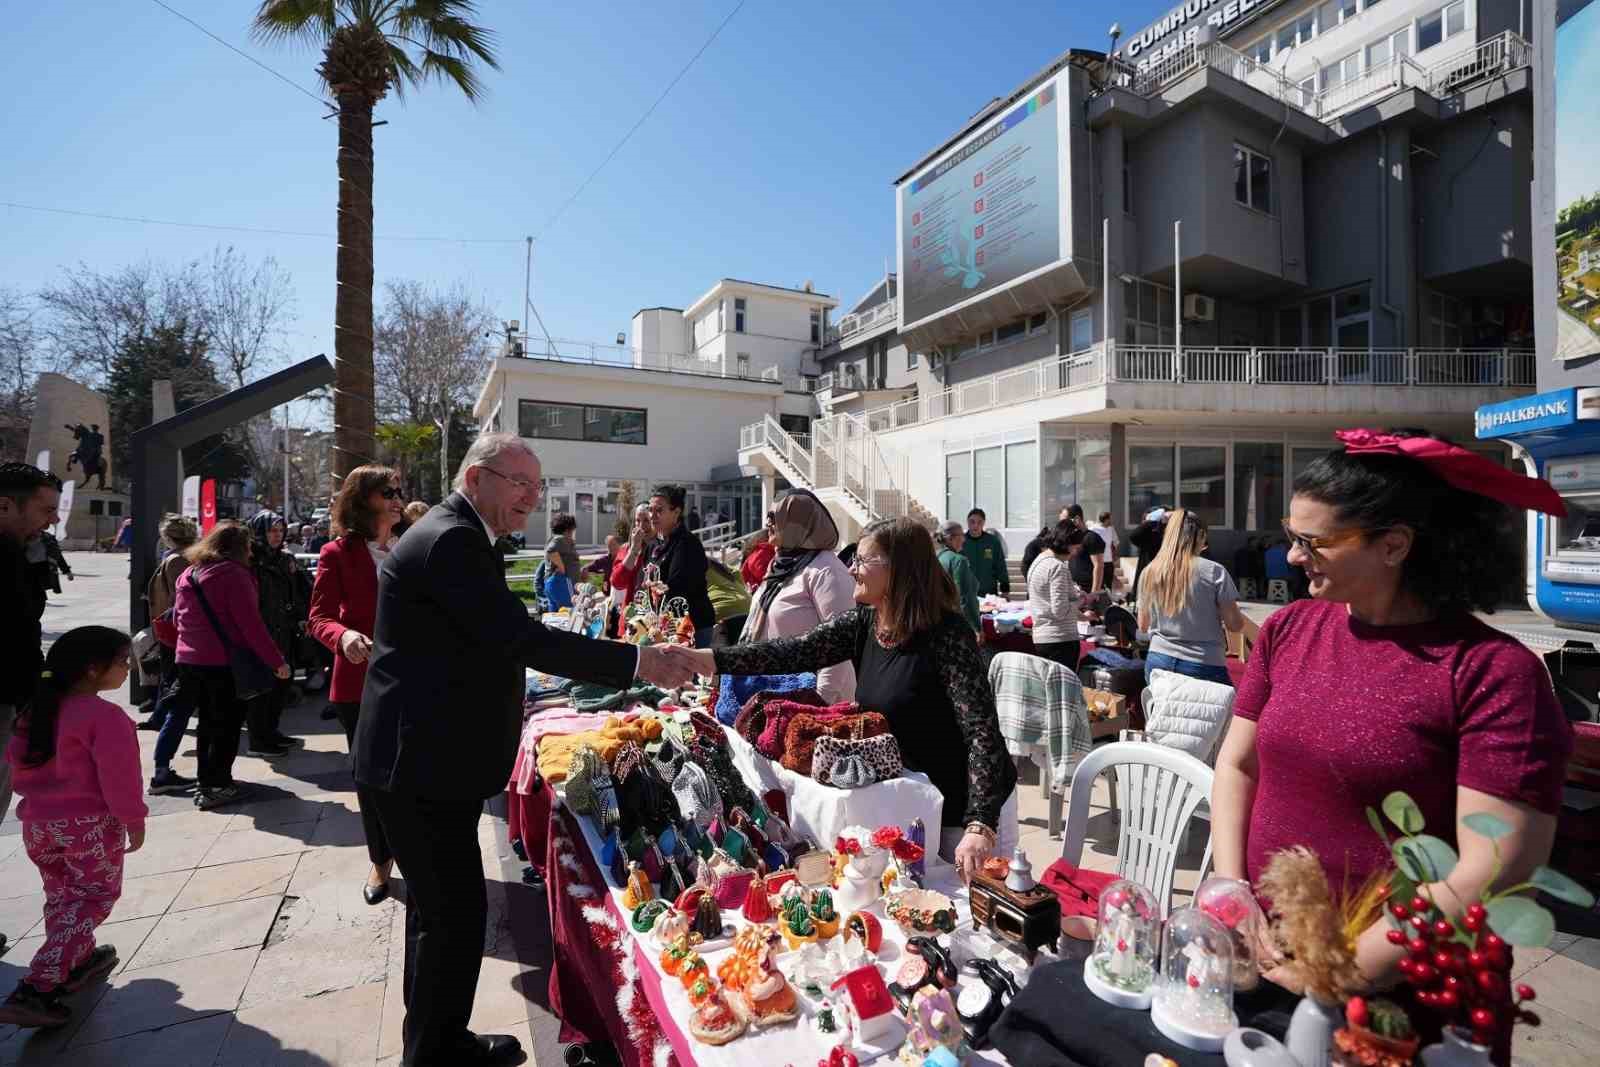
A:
[1157,790]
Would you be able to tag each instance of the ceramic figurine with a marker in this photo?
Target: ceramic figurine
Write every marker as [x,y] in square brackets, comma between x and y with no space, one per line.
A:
[669,926]
[714,1022]
[757,905]
[934,1024]
[825,1022]
[823,917]
[1020,877]
[869,1000]
[675,955]
[708,918]
[1193,1001]
[1121,969]
[1230,902]
[866,927]
[639,888]
[917,834]
[796,923]
[765,996]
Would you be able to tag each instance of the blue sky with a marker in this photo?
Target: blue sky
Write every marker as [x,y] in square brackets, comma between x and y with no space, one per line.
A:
[771,160]
[1577,119]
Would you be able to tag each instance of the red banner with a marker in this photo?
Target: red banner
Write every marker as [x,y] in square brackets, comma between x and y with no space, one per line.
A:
[208,505]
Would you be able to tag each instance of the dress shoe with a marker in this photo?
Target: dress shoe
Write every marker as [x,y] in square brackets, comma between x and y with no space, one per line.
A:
[375,894]
[485,1050]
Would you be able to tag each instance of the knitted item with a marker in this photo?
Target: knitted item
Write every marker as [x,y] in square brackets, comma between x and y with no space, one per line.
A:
[643,694]
[734,690]
[800,737]
[752,717]
[555,750]
[780,713]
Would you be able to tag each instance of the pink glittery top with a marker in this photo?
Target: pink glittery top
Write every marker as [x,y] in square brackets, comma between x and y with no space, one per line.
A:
[1347,712]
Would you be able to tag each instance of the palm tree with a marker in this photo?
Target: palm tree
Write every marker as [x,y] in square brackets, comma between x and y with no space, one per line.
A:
[369,47]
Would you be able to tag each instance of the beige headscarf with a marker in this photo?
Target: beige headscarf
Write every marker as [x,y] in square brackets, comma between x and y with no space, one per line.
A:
[804,528]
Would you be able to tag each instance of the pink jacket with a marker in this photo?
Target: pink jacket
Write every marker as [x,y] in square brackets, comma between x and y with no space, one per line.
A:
[230,589]
[95,770]
[821,590]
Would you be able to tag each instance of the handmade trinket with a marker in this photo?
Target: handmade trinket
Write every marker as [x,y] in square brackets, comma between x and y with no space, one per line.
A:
[672,960]
[757,905]
[1193,1001]
[934,1024]
[644,917]
[1121,969]
[980,1003]
[870,1002]
[796,923]
[1029,920]
[714,1022]
[865,926]
[1378,1033]
[707,918]
[926,966]
[825,1022]
[639,888]
[823,917]
[922,911]
[670,925]
[1231,903]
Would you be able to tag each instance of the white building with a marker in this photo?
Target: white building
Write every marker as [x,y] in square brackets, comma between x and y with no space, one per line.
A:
[665,408]
[1352,182]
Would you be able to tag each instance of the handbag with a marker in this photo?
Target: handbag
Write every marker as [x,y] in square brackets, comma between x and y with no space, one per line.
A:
[251,677]
[849,764]
[584,772]
[772,741]
[752,718]
[800,739]
[643,799]
[697,797]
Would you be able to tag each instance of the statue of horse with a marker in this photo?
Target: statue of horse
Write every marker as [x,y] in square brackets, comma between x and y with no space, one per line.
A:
[90,453]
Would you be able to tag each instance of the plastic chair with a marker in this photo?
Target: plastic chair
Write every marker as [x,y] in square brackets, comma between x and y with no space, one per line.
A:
[1247,589]
[1278,591]
[1157,791]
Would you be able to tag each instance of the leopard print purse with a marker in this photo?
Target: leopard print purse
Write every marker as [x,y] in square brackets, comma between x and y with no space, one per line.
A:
[848,763]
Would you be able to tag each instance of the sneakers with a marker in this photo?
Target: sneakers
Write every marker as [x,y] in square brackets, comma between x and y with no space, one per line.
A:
[166,782]
[96,964]
[26,1006]
[267,750]
[151,723]
[207,799]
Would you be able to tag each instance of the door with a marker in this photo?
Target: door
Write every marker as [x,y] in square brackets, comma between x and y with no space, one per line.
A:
[1081,331]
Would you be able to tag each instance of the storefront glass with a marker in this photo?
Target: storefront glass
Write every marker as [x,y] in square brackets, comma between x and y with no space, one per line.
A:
[1150,478]
[1258,501]
[989,483]
[1204,484]
[1022,485]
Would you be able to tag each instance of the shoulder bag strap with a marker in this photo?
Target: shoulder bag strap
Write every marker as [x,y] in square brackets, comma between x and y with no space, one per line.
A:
[205,606]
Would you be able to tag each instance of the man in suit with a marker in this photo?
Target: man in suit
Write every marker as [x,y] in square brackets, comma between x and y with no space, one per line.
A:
[440,718]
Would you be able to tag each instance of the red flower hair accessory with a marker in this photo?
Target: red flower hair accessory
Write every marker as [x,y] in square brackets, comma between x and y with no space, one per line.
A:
[1464,470]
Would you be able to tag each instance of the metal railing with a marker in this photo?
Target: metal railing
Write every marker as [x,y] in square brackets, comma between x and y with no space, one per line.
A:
[866,319]
[621,357]
[796,450]
[1489,58]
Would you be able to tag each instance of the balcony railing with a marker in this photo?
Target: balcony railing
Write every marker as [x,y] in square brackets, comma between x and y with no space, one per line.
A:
[1477,62]
[853,324]
[621,357]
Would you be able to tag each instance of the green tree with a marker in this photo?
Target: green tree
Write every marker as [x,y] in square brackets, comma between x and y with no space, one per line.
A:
[409,446]
[369,47]
[175,351]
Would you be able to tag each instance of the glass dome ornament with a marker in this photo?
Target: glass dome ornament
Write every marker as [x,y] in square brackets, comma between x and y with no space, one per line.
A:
[1193,1002]
[1121,969]
[1230,902]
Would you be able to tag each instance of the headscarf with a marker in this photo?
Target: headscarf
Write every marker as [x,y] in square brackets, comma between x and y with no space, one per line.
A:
[260,523]
[802,528]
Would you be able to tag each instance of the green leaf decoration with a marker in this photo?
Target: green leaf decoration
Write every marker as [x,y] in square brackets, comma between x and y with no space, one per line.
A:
[1521,921]
[1403,812]
[1424,858]
[1561,887]
[1491,826]
[1375,821]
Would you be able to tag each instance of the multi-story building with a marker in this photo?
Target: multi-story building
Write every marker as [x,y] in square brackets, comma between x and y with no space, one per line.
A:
[666,407]
[1165,274]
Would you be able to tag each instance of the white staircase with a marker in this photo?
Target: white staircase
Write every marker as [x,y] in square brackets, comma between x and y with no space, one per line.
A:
[858,479]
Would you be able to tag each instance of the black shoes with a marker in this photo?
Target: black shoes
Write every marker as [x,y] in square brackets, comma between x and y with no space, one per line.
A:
[375,894]
[207,799]
[99,963]
[28,1007]
[266,749]
[169,781]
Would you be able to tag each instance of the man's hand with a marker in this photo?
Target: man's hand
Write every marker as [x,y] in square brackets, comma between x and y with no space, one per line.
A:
[354,646]
[659,665]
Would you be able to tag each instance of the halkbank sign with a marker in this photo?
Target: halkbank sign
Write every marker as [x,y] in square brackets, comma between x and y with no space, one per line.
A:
[1161,39]
[1542,411]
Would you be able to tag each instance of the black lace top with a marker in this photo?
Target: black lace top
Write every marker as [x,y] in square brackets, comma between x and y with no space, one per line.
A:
[933,689]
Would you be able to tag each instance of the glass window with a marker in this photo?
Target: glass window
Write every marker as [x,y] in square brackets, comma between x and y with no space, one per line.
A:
[1204,481]
[958,485]
[579,422]
[1441,24]
[1352,302]
[989,482]
[816,326]
[1038,322]
[1300,459]
[1252,179]
[113,507]
[97,507]
[738,314]
[911,359]
[1058,475]
[1094,476]
[1579,532]
[616,426]
[1261,51]
[1010,330]
[1341,70]
[1022,485]
[1150,478]
[1257,486]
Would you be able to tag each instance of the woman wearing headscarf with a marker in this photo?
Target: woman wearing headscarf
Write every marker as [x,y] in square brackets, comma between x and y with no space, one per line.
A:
[283,609]
[805,585]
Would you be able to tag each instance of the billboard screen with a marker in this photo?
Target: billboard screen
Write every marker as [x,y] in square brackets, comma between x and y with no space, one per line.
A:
[1577,179]
[985,214]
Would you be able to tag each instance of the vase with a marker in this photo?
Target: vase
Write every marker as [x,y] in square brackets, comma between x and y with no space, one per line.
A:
[1455,1049]
[1310,1037]
[862,882]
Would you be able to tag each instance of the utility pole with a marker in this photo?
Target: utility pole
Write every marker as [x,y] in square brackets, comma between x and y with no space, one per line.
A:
[444,455]
[287,508]
[527,292]
[1177,295]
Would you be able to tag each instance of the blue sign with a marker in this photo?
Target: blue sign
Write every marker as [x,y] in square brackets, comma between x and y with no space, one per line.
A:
[1542,411]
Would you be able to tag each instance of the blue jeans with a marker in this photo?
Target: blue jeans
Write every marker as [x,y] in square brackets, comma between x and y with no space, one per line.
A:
[173,709]
[1210,672]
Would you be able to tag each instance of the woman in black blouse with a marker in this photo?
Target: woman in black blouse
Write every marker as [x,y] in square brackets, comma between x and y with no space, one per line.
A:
[682,560]
[917,663]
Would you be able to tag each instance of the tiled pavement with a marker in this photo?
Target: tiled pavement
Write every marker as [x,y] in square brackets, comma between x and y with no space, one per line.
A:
[244,939]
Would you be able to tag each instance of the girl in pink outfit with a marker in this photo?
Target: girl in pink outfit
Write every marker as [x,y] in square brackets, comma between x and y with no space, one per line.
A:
[75,763]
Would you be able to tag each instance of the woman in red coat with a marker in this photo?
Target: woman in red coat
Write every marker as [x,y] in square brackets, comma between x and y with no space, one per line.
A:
[758,557]
[344,610]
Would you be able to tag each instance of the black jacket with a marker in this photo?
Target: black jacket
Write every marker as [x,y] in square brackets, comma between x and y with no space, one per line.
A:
[21,606]
[682,559]
[441,711]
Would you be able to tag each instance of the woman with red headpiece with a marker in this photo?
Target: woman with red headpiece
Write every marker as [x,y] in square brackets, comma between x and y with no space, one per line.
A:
[1385,680]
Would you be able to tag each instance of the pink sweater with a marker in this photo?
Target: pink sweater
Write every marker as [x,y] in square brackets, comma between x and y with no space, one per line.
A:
[95,770]
[230,589]
[821,590]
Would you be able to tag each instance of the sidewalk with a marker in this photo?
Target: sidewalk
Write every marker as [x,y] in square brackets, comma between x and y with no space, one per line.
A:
[242,932]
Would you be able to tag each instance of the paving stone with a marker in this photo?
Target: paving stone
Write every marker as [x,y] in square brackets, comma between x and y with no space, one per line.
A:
[1567,986]
[20,914]
[1559,1040]
[274,810]
[127,936]
[1584,950]
[339,1030]
[237,881]
[163,853]
[315,964]
[42,1046]
[182,935]
[254,844]
[151,895]
[189,1044]
[149,998]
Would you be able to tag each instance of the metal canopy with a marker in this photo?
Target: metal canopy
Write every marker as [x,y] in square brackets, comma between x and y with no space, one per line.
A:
[157,447]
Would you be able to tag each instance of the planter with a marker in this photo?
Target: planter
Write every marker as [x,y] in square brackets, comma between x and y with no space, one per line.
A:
[1455,1050]
[1310,1037]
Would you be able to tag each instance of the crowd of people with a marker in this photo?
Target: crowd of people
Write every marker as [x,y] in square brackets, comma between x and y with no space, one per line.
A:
[1382,680]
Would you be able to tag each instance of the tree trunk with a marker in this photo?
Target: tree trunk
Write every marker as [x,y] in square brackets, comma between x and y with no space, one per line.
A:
[353,406]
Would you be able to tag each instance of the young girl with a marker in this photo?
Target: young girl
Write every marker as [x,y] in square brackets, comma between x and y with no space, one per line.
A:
[75,763]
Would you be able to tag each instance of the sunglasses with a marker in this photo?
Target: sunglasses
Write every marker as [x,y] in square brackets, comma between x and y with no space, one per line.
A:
[390,493]
[1315,546]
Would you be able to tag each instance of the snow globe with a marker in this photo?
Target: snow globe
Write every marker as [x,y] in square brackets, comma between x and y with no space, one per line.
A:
[1230,902]
[1122,968]
[1193,1002]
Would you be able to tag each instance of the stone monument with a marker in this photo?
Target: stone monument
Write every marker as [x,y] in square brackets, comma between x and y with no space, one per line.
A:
[73,423]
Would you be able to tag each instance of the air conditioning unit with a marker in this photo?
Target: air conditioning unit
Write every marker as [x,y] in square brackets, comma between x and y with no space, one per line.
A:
[1197,307]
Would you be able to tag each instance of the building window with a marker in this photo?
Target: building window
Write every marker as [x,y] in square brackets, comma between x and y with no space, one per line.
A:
[722,306]
[113,507]
[1252,179]
[97,507]
[1150,478]
[1388,49]
[581,422]
[1442,325]
[1203,481]
[1335,12]
[1257,486]
[989,482]
[1341,70]
[742,361]
[1297,31]
[1010,330]
[1441,25]
[958,485]
[1261,51]
[816,326]
[738,314]
[1022,485]
[1038,322]
[911,359]
[1147,313]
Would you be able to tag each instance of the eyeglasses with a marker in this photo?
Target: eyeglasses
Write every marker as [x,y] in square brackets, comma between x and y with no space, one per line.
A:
[521,483]
[863,562]
[391,493]
[1315,546]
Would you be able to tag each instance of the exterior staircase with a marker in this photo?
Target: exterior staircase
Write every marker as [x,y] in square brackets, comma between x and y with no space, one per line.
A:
[842,462]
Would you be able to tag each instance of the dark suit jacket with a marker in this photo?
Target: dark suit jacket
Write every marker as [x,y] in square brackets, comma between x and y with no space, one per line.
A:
[441,711]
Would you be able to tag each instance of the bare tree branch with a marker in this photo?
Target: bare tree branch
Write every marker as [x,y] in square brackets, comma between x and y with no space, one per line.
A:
[430,351]
[248,308]
[91,315]
[18,371]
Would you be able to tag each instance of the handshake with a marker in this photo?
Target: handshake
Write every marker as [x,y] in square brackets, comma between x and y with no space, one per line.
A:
[674,666]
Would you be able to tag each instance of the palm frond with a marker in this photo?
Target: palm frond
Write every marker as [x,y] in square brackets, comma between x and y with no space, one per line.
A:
[304,22]
[405,71]
[449,68]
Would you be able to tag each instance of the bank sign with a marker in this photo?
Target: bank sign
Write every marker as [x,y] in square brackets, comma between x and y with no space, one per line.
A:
[1542,411]
[1160,39]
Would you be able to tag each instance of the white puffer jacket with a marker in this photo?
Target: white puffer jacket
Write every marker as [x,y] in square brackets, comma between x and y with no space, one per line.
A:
[1187,714]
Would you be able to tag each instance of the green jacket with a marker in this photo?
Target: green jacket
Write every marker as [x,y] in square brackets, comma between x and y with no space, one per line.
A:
[987,554]
[729,597]
[960,572]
